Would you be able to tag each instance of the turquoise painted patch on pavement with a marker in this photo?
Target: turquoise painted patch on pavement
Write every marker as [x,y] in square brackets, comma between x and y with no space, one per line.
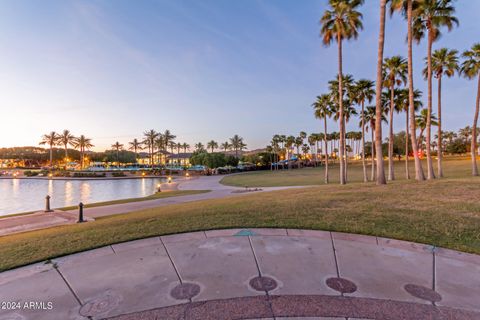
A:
[245,233]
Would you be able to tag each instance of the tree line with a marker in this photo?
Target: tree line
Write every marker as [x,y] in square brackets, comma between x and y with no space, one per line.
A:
[155,143]
[393,90]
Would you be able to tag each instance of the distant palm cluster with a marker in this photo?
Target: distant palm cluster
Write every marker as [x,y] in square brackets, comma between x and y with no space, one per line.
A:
[154,142]
[393,90]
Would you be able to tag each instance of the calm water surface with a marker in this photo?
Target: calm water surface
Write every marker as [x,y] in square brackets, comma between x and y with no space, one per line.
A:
[23,195]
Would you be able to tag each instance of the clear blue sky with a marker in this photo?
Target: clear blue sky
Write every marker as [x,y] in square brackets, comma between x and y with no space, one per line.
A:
[203,69]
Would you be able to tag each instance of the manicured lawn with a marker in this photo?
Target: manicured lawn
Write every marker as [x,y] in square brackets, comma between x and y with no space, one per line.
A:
[454,167]
[158,195]
[443,212]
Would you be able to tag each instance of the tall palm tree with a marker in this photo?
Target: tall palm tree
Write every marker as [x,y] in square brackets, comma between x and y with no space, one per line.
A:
[395,73]
[117,146]
[471,69]
[51,139]
[135,145]
[150,137]
[444,62]
[402,104]
[341,22]
[168,137]
[199,147]
[82,143]
[185,146]
[378,93]
[363,91]
[212,145]
[323,110]
[313,142]
[422,121]
[370,116]
[406,7]
[430,16]
[225,146]
[237,144]
[66,138]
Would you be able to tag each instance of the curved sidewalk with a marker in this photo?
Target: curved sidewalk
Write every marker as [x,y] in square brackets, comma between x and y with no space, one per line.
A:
[251,274]
[42,220]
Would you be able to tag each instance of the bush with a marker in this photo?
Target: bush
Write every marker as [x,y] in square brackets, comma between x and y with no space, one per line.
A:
[118,174]
[88,175]
[30,173]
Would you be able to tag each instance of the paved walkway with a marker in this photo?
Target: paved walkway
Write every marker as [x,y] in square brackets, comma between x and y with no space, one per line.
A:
[250,274]
[43,220]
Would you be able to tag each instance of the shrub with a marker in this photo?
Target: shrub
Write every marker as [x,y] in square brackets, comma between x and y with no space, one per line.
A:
[118,174]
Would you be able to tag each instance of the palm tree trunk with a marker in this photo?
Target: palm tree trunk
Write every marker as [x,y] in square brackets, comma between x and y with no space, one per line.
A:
[326,149]
[474,132]
[430,172]
[373,153]
[340,104]
[419,175]
[345,151]
[391,173]
[407,173]
[439,132]
[51,156]
[378,126]
[365,178]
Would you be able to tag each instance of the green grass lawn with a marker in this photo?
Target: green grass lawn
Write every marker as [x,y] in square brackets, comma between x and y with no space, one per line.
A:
[158,195]
[454,167]
[443,212]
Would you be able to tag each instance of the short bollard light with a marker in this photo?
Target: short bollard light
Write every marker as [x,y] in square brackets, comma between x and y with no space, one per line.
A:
[80,213]
[159,187]
[47,204]
[169,179]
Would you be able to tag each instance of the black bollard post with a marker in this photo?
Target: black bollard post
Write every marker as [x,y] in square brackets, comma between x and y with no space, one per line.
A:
[80,213]
[47,204]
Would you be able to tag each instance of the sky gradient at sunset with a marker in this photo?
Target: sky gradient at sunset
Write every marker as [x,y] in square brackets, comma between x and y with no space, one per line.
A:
[203,69]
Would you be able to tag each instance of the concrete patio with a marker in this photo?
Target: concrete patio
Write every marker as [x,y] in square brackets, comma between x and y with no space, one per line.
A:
[250,274]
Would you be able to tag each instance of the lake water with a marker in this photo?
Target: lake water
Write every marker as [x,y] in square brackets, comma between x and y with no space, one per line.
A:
[23,195]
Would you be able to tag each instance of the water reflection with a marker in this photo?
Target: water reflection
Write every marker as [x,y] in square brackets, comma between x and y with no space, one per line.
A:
[21,195]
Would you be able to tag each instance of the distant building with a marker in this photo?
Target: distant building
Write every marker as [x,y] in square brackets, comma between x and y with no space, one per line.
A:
[179,159]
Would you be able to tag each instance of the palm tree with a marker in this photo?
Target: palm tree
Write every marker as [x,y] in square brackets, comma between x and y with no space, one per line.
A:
[323,110]
[150,137]
[430,16]
[370,116]
[212,145]
[406,7]
[65,138]
[237,144]
[348,109]
[185,146]
[168,137]
[363,91]
[313,141]
[82,143]
[378,93]
[401,104]
[135,145]
[225,146]
[199,147]
[470,69]
[117,146]
[395,73]
[51,139]
[443,62]
[342,21]
[422,121]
